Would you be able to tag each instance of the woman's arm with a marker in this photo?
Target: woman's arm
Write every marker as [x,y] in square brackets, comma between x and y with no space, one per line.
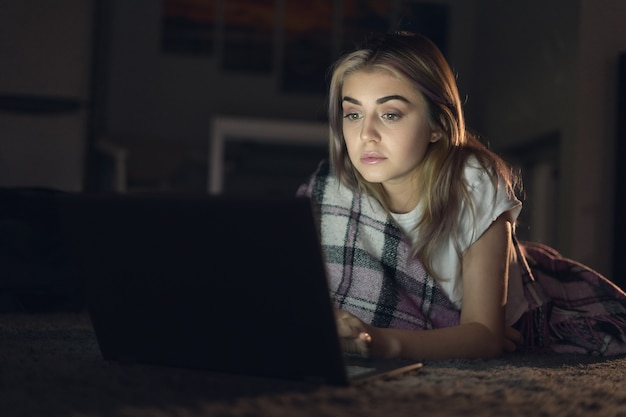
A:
[481,332]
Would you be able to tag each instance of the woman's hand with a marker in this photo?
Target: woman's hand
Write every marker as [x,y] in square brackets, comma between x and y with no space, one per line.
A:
[366,340]
[353,334]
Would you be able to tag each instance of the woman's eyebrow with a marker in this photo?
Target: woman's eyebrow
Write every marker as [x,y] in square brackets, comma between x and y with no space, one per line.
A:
[392,97]
[351,100]
[378,101]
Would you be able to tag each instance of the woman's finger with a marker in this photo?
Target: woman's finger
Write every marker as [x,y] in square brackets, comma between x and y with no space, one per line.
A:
[358,345]
[348,325]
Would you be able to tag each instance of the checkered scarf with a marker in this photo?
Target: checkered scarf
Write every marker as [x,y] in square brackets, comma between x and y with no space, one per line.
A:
[372,275]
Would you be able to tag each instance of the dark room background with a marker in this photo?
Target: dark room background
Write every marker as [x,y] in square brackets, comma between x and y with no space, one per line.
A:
[129,95]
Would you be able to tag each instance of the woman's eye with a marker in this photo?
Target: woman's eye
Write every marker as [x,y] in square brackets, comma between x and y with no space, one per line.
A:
[351,116]
[392,117]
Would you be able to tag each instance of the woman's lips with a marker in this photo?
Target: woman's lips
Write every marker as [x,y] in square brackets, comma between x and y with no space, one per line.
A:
[370,158]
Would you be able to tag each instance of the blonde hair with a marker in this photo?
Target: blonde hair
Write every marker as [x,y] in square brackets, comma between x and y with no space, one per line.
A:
[443,189]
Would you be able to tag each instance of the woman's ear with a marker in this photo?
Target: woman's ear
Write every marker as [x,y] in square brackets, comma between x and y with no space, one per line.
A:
[435,136]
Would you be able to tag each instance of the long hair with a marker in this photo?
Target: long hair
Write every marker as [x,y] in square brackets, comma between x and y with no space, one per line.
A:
[443,189]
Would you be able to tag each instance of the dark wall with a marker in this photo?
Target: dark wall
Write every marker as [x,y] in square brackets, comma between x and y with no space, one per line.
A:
[619,231]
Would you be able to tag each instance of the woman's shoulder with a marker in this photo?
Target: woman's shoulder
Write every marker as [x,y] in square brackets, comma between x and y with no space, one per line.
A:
[476,174]
[489,196]
[485,180]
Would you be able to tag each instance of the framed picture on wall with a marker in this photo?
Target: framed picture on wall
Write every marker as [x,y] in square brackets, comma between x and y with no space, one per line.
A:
[296,44]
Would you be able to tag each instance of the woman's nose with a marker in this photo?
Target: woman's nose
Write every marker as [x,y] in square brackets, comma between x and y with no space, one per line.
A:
[369,130]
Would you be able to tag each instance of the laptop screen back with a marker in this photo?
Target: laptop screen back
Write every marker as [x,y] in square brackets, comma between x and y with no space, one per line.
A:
[228,285]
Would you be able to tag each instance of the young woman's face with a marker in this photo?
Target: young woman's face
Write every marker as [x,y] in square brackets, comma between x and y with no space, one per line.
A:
[385,127]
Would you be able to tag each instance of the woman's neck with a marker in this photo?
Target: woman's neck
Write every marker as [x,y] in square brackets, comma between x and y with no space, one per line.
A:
[402,199]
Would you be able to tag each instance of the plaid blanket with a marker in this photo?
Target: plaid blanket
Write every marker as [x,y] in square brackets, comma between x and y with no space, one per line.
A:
[573,309]
[372,275]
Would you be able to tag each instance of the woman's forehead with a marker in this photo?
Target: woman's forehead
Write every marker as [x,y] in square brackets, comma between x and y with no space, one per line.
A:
[378,79]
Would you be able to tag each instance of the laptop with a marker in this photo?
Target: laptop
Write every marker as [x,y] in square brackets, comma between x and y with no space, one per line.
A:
[224,284]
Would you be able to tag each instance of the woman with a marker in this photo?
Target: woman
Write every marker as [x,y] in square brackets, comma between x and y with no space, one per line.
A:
[417,220]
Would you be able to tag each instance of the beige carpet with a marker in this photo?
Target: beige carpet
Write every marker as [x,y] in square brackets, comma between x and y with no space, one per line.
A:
[50,366]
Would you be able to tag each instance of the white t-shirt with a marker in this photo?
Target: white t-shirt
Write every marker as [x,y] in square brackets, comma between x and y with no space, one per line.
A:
[489,204]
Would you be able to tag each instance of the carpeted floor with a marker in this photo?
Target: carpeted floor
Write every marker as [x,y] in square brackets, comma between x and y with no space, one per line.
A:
[50,366]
